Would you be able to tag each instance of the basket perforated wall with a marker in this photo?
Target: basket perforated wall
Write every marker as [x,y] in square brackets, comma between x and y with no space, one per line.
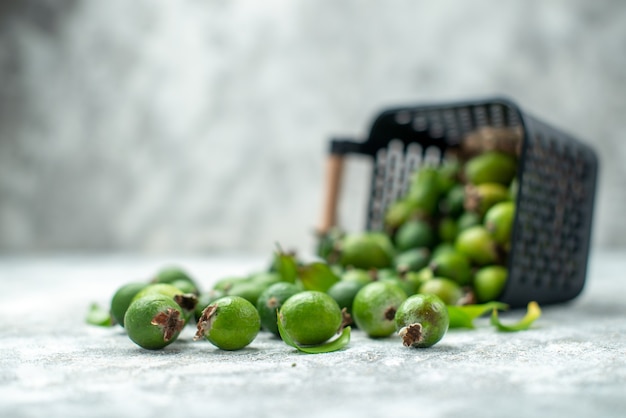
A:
[557,175]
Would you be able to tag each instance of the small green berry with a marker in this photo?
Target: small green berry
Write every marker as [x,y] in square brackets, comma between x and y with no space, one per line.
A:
[489,282]
[414,234]
[271,300]
[344,292]
[375,306]
[229,323]
[447,290]
[178,277]
[478,245]
[153,321]
[310,317]
[122,299]
[422,321]
[453,265]
[366,250]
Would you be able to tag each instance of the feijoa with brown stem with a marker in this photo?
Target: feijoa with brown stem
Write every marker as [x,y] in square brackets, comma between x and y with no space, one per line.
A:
[374,308]
[154,321]
[422,321]
[229,323]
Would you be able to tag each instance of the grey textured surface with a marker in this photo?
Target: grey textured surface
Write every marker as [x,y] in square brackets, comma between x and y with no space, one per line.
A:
[572,363]
[190,126]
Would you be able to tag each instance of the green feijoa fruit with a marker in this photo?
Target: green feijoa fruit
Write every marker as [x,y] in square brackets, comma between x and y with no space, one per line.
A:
[122,298]
[153,321]
[271,300]
[489,283]
[424,275]
[412,260]
[453,265]
[178,277]
[185,286]
[366,250]
[186,301]
[170,273]
[344,292]
[417,278]
[310,317]
[266,278]
[447,290]
[360,276]
[398,213]
[444,247]
[414,234]
[467,220]
[164,289]
[452,202]
[248,289]
[229,323]
[482,197]
[491,167]
[447,229]
[499,222]
[384,274]
[226,283]
[204,300]
[478,245]
[448,175]
[374,308]
[422,321]
[424,191]
[399,279]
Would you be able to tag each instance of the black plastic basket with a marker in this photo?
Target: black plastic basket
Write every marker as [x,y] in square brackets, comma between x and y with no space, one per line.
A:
[556,173]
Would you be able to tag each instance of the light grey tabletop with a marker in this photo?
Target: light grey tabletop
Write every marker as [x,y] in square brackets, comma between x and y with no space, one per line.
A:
[572,363]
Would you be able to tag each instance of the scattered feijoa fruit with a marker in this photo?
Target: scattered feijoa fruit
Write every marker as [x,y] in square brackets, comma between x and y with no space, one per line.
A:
[122,298]
[422,321]
[366,250]
[489,283]
[154,321]
[310,317]
[270,302]
[375,306]
[229,323]
[205,300]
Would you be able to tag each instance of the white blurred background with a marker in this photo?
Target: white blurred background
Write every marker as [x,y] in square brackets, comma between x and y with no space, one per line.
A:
[199,126]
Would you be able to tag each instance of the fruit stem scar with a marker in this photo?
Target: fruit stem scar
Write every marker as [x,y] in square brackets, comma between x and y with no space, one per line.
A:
[205,322]
[186,301]
[272,302]
[346,319]
[390,313]
[411,334]
[170,321]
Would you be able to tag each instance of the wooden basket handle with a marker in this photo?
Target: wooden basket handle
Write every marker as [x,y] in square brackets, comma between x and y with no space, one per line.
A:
[334,174]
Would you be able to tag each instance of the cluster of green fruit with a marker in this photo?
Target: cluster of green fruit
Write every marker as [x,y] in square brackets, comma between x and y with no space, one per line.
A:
[304,304]
[445,244]
[449,235]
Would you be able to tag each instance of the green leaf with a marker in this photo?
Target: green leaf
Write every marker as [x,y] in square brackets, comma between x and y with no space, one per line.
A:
[96,315]
[286,265]
[317,276]
[463,316]
[327,347]
[533,312]
[330,346]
